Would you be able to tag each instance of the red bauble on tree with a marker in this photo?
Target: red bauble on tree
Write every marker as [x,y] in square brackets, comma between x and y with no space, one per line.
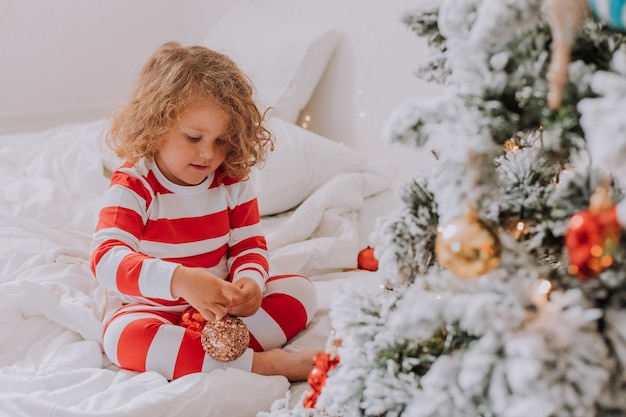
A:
[592,237]
[324,362]
[366,259]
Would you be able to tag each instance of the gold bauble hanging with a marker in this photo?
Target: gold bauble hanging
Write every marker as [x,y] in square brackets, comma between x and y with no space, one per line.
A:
[467,247]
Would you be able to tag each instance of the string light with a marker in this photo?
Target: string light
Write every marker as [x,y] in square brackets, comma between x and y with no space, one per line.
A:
[307,119]
[520,229]
[517,227]
[544,287]
[511,145]
[565,172]
[541,292]
[572,270]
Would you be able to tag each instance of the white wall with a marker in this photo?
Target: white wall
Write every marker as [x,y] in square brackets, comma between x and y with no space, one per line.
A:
[66,61]
[71,60]
[370,74]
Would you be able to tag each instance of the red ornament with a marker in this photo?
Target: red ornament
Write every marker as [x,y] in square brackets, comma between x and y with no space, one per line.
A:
[192,319]
[366,259]
[591,239]
[324,362]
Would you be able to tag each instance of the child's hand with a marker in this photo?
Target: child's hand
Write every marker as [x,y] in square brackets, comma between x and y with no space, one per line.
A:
[250,299]
[207,293]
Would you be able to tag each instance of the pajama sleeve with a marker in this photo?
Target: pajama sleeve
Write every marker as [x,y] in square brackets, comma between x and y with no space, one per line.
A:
[247,253]
[115,259]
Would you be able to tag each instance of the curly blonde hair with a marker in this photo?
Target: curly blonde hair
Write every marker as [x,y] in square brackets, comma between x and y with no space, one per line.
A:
[176,77]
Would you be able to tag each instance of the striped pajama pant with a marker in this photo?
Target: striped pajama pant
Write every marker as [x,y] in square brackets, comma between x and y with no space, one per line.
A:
[143,337]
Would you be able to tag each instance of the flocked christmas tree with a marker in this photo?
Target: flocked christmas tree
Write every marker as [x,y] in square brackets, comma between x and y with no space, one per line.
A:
[504,271]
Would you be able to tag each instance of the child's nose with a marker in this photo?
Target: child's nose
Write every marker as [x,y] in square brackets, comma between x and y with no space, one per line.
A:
[206,151]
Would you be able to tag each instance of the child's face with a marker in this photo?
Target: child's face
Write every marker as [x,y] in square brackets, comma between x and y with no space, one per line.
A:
[196,146]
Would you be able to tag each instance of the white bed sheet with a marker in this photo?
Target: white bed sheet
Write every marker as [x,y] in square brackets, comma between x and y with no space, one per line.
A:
[51,361]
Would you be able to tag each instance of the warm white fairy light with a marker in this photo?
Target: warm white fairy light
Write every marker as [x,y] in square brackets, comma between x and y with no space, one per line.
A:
[305,123]
[564,173]
[519,229]
[511,145]
[544,287]
[541,292]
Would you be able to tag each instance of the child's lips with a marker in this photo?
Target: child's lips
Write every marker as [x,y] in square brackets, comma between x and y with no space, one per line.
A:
[200,167]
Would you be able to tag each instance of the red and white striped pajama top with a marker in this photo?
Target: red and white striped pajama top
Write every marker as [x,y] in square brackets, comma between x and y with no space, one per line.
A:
[147,227]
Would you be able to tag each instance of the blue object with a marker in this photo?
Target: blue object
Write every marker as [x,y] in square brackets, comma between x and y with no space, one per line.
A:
[610,11]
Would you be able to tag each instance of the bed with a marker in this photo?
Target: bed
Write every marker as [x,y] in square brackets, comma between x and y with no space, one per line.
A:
[323,202]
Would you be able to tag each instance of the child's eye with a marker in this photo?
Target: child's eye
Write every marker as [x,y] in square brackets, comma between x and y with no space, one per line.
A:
[193,138]
[220,141]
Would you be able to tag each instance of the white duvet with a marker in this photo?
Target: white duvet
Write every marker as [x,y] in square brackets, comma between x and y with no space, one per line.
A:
[51,363]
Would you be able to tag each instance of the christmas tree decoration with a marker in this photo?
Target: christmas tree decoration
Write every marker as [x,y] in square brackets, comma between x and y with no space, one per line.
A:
[324,362]
[225,339]
[592,236]
[467,247]
[516,227]
[541,292]
[613,12]
[566,17]
[511,145]
[192,319]
[366,259]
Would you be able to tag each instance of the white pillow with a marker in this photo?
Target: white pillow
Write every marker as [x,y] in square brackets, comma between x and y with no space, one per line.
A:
[284,57]
[301,162]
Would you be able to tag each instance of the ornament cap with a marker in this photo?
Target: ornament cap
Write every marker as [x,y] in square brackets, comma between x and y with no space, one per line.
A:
[600,199]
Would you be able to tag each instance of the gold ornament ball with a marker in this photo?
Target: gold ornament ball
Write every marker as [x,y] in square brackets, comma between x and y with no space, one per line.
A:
[467,247]
[225,339]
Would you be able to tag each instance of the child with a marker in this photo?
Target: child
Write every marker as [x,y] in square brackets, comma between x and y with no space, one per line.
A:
[180,226]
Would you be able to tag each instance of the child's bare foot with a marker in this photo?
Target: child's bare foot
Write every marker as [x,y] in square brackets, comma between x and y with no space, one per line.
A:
[296,366]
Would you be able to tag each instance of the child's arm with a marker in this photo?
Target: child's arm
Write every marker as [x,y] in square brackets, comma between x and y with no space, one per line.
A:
[248,258]
[116,261]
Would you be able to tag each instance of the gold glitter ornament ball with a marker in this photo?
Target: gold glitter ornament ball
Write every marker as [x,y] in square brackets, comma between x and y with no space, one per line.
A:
[467,247]
[226,339]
